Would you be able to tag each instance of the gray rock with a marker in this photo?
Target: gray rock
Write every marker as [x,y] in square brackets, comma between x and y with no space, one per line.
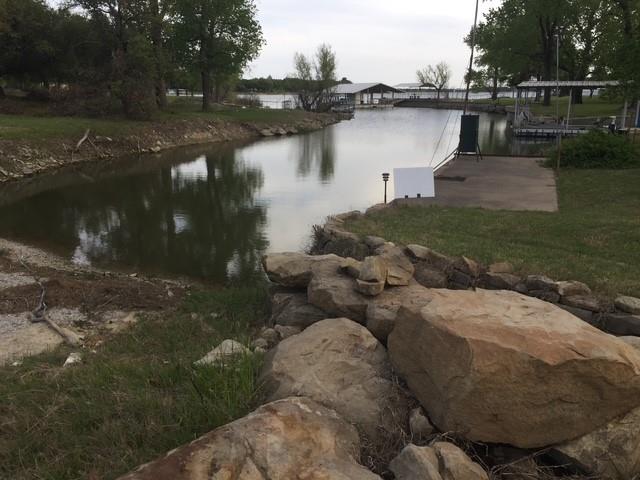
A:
[611,452]
[499,281]
[460,280]
[628,304]
[335,294]
[468,267]
[373,269]
[270,335]
[339,364]
[430,277]
[419,425]
[374,242]
[293,310]
[456,465]
[260,344]
[286,332]
[585,302]
[584,315]
[545,295]
[540,283]
[622,324]
[434,259]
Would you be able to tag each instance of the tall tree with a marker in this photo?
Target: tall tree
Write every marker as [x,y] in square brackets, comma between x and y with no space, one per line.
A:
[437,77]
[317,78]
[218,38]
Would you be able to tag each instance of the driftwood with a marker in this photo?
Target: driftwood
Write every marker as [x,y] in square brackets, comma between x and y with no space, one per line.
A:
[83,139]
[40,313]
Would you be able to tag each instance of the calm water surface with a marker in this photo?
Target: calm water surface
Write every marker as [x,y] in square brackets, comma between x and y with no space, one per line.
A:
[211,212]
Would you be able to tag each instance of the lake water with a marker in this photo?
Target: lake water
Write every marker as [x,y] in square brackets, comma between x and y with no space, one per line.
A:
[211,212]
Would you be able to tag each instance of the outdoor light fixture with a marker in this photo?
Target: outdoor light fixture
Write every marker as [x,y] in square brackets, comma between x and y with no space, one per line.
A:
[385,179]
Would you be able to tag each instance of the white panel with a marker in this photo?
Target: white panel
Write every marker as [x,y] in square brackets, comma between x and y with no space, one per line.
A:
[413,182]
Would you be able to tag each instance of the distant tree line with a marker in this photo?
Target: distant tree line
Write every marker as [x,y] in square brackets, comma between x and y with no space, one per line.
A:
[129,51]
[599,39]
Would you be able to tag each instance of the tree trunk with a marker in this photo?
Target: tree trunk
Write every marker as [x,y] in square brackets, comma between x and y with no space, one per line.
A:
[158,51]
[494,90]
[206,91]
[576,97]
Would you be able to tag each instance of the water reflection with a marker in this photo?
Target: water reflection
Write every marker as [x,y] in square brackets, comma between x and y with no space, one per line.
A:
[317,152]
[212,211]
[198,218]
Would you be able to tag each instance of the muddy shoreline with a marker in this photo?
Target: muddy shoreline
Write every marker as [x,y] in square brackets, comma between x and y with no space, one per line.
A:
[20,159]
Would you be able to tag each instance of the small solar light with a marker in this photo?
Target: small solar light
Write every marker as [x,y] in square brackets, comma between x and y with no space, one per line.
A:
[385,179]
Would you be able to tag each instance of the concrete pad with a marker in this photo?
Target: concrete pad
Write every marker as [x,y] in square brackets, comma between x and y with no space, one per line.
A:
[494,183]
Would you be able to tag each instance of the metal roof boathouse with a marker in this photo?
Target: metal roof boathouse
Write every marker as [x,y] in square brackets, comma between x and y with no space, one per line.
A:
[362,94]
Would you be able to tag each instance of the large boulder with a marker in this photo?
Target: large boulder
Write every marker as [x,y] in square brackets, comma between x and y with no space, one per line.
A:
[291,269]
[291,438]
[441,461]
[500,367]
[611,452]
[339,364]
[399,268]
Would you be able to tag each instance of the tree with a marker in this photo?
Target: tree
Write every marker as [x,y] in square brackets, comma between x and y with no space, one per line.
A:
[437,77]
[317,78]
[218,38]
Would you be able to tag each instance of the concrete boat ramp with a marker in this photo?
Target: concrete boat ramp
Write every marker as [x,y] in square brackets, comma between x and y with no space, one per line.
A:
[494,183]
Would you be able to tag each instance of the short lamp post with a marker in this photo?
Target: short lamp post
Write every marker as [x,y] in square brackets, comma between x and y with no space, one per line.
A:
[385,179]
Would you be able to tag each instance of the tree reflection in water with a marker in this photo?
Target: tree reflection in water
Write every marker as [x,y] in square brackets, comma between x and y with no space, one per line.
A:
[201,220]
[317,151]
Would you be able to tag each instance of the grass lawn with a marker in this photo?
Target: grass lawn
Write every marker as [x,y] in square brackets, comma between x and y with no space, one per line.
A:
[137,397]
[591,107]
[594,238]
[35,126]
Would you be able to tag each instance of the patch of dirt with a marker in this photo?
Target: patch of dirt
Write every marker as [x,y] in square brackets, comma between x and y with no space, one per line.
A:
[91,303]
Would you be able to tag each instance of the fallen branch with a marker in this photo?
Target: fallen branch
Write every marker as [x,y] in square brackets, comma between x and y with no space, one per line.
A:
[83,139]
[40,312]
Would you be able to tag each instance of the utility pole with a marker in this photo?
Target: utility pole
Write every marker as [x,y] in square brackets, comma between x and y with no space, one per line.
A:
[558,101]
[473,49]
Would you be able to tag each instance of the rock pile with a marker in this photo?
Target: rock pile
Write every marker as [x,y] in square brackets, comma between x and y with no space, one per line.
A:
[395,345]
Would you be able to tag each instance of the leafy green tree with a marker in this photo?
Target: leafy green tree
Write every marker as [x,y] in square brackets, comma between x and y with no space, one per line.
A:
[218,38]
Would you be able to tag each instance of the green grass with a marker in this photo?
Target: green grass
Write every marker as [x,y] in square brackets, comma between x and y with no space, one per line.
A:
[591,107]
[594,238]
[42,127]
[137,397]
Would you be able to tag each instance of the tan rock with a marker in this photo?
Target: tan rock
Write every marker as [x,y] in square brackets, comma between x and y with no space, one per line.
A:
[434,259]
[572,288]
[429,276]
[370,289]
[374,270]
[584,302]
[500,367]
[335,294]
[468,266]
[456,465]
[611,452]
[351,267]
[633,341]
[501,267]
[381,320]
[399,268]
[339,364]
[628,304]
[283,440]
[416,463]
[441,461]
[291,269]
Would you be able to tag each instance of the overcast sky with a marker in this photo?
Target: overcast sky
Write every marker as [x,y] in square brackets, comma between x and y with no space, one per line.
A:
[375,40]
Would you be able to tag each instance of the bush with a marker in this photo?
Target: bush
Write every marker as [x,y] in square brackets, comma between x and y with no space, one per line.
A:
[597,149]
